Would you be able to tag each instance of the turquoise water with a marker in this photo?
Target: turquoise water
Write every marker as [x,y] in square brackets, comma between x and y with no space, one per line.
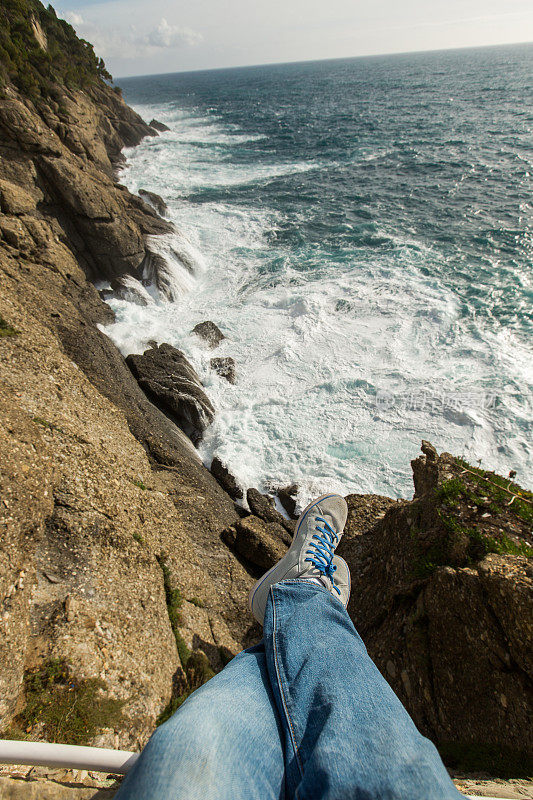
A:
[361,231]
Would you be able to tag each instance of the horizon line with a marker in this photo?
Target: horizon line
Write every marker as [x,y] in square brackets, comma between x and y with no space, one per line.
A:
[319,60]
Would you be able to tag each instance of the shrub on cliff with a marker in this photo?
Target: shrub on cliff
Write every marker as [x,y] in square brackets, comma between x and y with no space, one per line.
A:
[39,51]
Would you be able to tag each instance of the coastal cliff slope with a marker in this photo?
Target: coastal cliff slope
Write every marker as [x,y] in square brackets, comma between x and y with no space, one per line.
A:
[124,564]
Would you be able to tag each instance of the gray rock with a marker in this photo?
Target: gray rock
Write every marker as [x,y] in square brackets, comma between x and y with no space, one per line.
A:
[225,367]
[172,384]
[209,332]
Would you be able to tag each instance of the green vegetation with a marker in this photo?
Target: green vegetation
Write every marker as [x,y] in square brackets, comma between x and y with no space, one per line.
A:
[62,707]
[496,761]
[35,71]
[463,545]
[138,538]
[6,329]
[140,484]
[196,665]
[502,491]
[197,602]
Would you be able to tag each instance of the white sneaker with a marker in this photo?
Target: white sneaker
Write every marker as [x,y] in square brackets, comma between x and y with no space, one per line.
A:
[311,554]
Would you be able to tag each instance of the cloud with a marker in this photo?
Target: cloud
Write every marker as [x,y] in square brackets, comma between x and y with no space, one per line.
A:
[166,35]
[73,18]
[115,42]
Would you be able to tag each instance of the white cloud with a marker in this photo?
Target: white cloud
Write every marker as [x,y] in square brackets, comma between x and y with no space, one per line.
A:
[115,42]
[166,35]
[73,18]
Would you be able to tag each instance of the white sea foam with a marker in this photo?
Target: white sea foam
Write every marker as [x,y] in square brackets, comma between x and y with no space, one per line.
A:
[338,379]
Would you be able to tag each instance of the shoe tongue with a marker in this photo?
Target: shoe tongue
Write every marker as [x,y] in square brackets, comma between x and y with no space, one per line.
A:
[331,519]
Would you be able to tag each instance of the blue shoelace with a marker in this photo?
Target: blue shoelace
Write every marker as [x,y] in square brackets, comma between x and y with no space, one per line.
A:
[323,550]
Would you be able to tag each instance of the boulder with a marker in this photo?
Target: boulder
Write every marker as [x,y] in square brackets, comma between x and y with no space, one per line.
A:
[256,540]
[172,384]
[263,506]
[225,367]
[287,498]
[226,479]
[154,200]
[209,332]
[159,126]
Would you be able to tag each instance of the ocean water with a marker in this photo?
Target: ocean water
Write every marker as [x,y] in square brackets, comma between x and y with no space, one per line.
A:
[361,232]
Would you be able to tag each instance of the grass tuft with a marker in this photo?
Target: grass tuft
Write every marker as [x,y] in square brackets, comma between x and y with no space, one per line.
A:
[63,708]
[6,329]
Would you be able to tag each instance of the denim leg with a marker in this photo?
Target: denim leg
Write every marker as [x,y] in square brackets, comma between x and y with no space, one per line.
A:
[346,733]
[223,743]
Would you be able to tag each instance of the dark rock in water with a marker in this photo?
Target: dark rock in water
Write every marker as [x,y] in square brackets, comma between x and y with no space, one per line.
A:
[226,479]
[155,200]
[129,288]
[256,540]
[287,498]
[225,367]
[263,507]
[210,332]
[159,126]
[172,384]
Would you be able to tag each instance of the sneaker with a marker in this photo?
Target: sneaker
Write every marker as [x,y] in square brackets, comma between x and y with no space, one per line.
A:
[311,554]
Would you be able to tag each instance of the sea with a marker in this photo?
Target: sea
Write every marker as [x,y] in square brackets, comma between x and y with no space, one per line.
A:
[361,232]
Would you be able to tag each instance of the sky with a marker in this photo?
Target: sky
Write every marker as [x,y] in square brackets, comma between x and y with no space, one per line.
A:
[142,37]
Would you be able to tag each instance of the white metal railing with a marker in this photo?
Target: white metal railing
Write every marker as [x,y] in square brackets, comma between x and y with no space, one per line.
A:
[69,756]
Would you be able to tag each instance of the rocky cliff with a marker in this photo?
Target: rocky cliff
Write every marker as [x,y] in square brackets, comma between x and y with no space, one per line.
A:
[124,564]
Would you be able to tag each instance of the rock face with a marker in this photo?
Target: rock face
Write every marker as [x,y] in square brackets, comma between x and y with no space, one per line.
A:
[172,384]
[109,563]
[209,332]
[442,596]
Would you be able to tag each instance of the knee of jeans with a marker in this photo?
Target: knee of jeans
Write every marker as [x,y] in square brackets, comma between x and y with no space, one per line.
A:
[196,728]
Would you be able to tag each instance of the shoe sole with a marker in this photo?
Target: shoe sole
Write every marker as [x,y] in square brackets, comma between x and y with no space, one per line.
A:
[301,518]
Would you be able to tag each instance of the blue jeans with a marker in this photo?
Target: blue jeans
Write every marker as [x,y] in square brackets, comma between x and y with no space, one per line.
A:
[305,714]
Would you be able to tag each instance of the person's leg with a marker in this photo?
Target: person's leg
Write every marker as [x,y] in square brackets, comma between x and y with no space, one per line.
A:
[223,743]
[347,735]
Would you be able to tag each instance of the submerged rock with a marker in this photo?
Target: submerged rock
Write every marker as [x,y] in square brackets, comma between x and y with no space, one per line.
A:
[209,332]
[172,384]
[225,367]
[226,479]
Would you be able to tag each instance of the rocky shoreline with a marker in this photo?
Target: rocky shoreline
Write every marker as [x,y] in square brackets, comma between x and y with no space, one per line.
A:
[125,564]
